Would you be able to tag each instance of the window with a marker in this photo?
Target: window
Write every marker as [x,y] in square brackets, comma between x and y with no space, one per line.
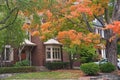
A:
[48,51]
[100,31]
[53,53]
[8,53]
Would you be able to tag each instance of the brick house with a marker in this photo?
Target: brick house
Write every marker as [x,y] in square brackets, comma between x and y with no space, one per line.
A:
[36,51]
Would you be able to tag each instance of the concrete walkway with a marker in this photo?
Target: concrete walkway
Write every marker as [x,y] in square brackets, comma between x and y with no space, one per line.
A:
[2,76]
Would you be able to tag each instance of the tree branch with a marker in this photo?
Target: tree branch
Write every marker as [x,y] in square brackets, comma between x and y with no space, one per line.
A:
[4,20]
[107,17]
[11,22]
[7,4]
[87,23]
[116,11]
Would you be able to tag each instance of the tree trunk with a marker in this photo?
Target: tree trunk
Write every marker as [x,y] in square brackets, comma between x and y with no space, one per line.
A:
[111,46]
[111,51]
[71,61]
[116,11]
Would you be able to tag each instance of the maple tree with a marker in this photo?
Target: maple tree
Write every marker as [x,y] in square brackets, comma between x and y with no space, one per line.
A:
[79,13]
[70,18]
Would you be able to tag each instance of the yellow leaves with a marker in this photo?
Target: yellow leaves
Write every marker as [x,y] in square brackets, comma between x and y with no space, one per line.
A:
[77,41]
[35,33]
[96,41]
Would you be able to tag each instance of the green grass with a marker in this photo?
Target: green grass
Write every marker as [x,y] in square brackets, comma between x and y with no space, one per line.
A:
[45,75]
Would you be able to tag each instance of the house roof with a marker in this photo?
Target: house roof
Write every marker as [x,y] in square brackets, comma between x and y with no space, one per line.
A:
[52,41]
[97,23]
[28,43]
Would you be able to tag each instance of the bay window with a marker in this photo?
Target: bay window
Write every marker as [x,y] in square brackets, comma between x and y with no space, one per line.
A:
[53,53]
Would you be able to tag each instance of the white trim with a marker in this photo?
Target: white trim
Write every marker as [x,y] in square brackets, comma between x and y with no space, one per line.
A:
[10,54]
[103,53]
[57,55]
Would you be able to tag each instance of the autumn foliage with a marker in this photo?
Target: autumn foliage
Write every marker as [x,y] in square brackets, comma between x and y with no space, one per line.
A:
[72,37]
[115,26]
[52,19]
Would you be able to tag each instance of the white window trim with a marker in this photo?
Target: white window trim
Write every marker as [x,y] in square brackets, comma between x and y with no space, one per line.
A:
[11,54]
[51,54]
[100,31]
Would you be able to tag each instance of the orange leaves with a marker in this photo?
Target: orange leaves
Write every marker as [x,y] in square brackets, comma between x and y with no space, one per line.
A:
[39,12]
[75,14]
[45,26]
[73,7]
[49,14]
[25,26]
[97,9]
[115,27]
[77,37]
[35,33]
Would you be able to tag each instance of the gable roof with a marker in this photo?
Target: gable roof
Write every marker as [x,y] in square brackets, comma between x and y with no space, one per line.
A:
[52,41]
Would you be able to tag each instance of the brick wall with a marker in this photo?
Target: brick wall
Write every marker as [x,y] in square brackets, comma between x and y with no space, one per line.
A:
[38,53]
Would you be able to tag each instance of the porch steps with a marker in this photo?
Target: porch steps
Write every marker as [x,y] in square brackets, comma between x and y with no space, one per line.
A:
[41,68]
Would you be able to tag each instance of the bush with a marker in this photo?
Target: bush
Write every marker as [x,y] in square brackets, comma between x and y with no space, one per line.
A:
[17,69]
[107,67]
[90,68]
[56,65]
[22,63]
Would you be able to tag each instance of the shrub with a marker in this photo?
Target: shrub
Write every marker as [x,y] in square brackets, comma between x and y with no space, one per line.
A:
[17,69]
[90,68]
[56,65]
[22,63]
[107,67]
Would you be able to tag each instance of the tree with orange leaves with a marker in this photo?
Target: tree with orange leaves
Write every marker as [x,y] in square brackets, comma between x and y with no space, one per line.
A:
[80,13]
[67,15]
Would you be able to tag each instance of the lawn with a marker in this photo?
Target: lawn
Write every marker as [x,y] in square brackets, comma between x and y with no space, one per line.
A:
[58,74]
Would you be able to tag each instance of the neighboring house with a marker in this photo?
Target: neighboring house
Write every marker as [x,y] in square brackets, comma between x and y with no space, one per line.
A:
[98,30]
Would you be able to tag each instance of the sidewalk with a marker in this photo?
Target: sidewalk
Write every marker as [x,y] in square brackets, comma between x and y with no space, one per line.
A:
[2,76]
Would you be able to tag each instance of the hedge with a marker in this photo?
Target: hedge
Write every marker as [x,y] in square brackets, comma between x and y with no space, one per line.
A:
[17,69]
[57,65]
[90,68]
[107,67]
